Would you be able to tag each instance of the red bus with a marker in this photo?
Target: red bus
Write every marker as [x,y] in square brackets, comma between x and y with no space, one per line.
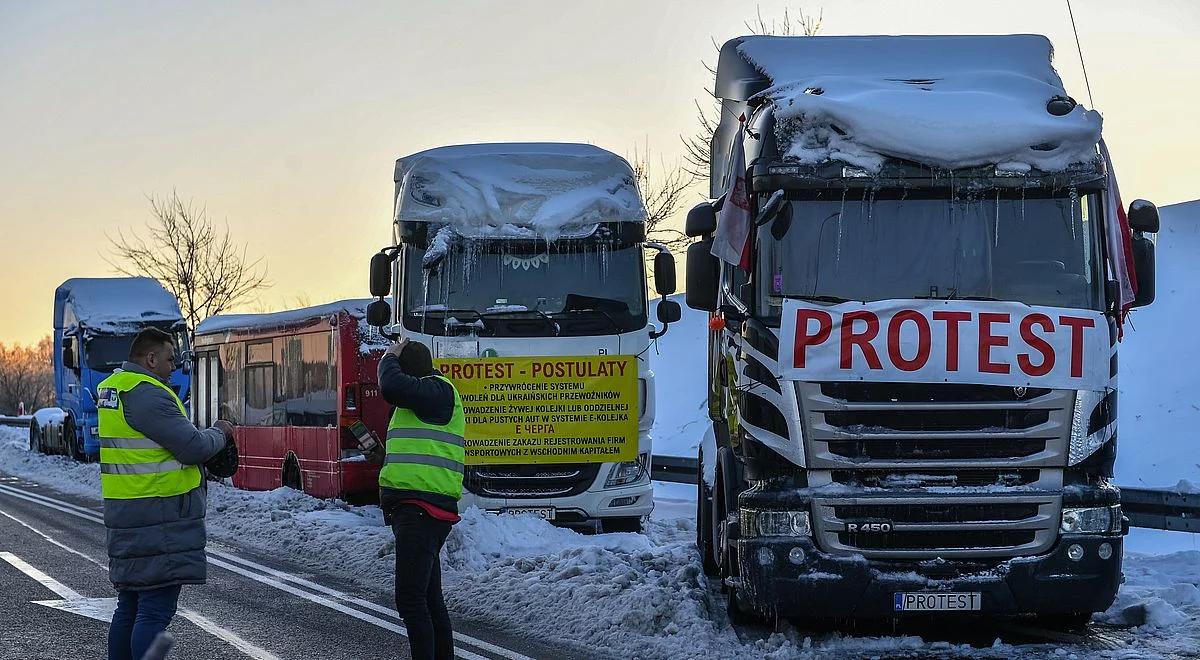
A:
[294,383]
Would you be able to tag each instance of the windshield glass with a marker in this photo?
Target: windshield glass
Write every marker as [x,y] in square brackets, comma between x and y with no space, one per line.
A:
[524,289]
[107,352]
[1037,251]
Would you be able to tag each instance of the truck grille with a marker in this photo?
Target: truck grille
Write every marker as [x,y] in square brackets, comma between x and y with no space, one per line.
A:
[530,481]
[957,470]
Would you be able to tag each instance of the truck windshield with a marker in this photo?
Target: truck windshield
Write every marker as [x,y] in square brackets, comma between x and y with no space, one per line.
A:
[107,352]
[587,289]
[1037,251]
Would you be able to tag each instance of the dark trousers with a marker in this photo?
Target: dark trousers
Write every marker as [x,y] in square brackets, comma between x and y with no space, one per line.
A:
[419,540]
[140,616]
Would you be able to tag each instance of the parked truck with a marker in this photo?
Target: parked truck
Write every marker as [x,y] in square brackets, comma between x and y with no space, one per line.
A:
[95,321]
[914,331]
[522,267]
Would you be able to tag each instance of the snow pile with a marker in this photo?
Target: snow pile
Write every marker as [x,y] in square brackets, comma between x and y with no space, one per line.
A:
[1160,592]
[1159,413]
[544,190]
[114,304]
[949,101]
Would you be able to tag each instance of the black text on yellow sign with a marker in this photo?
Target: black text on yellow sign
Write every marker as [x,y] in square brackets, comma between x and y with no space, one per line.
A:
[553,409]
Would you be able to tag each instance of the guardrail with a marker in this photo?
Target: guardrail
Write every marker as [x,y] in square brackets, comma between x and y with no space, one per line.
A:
[5,420]
[1148,508]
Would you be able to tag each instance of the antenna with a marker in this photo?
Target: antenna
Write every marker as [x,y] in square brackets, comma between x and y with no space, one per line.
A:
[1091,103]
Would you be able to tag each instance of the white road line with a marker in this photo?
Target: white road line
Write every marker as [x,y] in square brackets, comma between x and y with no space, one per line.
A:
[67,507]
[202,622]
[63,591]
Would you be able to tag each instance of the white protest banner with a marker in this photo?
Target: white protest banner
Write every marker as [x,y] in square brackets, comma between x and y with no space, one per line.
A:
[945,341]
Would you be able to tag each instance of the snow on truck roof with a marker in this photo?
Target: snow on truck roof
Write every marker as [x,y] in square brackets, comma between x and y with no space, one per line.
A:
[115,304]
[517,189]
[949,101]
[229,322]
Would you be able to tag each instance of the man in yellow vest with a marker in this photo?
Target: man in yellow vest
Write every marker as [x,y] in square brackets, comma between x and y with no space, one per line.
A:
[154,494]
[419,488]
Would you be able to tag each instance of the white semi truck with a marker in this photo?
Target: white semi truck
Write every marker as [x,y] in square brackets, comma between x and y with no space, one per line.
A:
[531,257]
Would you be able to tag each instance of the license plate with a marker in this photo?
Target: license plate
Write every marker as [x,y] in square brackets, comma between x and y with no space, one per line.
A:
[937,601]
[543,512]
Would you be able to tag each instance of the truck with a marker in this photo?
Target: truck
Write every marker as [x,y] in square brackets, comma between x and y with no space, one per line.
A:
[95,321]
[917,266]
[523,267]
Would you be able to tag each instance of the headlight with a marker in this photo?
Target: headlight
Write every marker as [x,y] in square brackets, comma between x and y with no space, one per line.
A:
[755,522]
[1082,444]
[628,472]
[1091,520]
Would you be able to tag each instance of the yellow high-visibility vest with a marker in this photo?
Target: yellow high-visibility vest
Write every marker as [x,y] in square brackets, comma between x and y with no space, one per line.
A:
[425,457]
[131,465]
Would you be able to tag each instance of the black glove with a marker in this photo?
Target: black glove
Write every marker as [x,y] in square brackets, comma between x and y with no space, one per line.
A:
[225,463]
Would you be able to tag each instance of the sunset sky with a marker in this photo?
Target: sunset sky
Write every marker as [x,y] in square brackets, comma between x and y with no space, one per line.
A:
[285,118]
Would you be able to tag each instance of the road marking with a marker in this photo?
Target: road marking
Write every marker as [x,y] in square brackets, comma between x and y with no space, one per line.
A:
[50,583]
[215,558]
[102,609]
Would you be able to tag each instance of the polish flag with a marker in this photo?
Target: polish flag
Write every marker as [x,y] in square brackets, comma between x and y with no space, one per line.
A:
[732,238]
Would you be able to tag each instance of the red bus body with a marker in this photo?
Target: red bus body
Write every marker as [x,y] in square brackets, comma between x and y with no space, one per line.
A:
[293,383]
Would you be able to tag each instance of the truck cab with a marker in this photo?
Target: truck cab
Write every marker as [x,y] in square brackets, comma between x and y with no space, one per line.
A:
[95,321]
[913,366]
[529,251]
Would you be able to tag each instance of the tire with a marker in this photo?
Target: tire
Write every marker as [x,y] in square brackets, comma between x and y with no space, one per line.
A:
[632,524]
[71,442]
[291,474]
[35,438]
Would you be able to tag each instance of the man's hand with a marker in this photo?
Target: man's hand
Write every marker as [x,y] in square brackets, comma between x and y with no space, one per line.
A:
[396,348]
[225,427]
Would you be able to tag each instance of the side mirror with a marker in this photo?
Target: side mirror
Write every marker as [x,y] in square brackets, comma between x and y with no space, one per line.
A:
[1143,265]
[1143,216]
[770,209]
[669,312]
[703,274]
[664,273]
[186,361]
[379,313]
[381,275]
[69,355]
[701,220]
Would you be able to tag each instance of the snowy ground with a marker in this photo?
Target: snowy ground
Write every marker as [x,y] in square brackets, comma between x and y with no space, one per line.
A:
[631,595]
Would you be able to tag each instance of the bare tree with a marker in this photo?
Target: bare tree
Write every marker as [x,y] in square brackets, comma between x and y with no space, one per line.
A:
[698,146]
[206,270]
[663,194]
[26,376]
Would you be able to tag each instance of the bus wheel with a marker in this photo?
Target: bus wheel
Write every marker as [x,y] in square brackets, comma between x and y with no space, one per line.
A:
[291,474]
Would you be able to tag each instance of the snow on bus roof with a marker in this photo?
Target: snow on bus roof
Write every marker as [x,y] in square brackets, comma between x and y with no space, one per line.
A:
[949,101]
[229,322]
[539,189]
[115,304]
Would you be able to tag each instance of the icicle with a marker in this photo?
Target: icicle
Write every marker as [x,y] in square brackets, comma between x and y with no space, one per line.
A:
[424,297]
[996,239]
[1074,203]
[837,258]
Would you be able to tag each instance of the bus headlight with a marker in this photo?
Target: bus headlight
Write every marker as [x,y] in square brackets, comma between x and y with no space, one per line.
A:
[757,522]
[1082,444]
[629,472]
[1091,520]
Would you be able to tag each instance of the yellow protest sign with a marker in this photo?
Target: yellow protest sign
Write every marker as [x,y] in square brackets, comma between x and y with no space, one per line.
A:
[547,409]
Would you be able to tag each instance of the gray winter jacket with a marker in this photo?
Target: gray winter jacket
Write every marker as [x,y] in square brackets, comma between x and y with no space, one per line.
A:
[159,541]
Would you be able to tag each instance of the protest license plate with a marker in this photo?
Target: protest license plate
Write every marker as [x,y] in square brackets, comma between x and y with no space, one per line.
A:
[937,601]
[543,512]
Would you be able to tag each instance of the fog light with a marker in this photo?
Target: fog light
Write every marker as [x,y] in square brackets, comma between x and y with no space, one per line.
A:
[765,557]
[1075,552]
[1105,551]
[796,556]
[623,501]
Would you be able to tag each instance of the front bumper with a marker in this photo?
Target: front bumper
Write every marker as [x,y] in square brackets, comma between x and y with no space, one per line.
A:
[581,510]
[823,585]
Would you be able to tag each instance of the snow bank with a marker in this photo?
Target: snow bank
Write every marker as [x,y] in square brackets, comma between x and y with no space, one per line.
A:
[114,304]
[528,190]
[949,101]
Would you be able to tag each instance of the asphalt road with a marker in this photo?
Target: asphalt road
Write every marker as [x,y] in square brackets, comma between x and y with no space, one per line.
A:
[52,548]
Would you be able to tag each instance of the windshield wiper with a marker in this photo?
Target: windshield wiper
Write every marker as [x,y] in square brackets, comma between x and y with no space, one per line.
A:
[443,311]
[541,314]
[608,317]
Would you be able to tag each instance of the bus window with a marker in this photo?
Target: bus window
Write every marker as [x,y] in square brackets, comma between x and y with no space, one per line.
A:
[260,385]
[230,383]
